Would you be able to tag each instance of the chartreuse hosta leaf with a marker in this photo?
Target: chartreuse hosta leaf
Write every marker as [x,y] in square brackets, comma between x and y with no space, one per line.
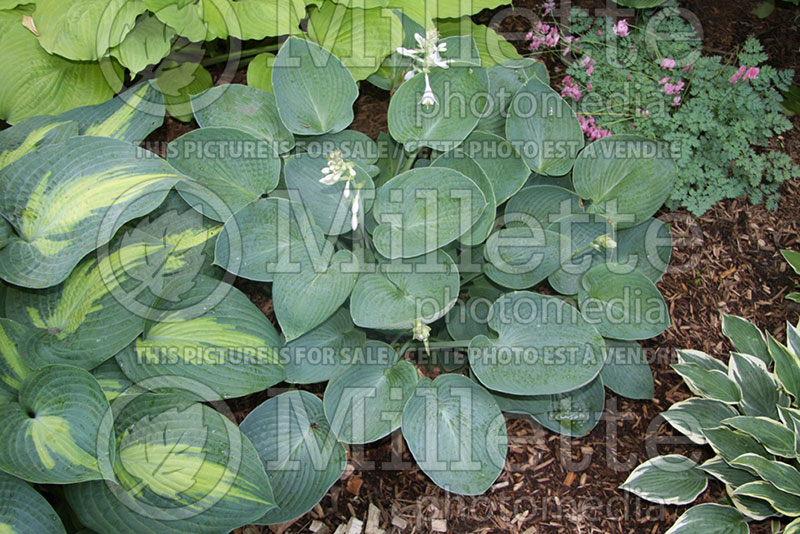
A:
[317,355]
[544,129]
[627,371]
[424,209]
[234,165]
[500,161]
[647,247]
[23,510]
[424,12]
[626,178]
[622,304]
[540,206]
[148,43]
[403,291]
[246,108]
[330,207]
[710,519]
[456,433]
[746,337]
[50,239]
[361,38]
[671,479]
[13,366]
[178,83]
[364,401]
[533,333]
[492,47]
[783,502]
[695,415]
[505,79]
[521,257]
[461,91]
[774,436]
[299,452]
[259,71]
[58,430]
[182,467]
[232,348]
[760,390]
[313,89]
[31,134]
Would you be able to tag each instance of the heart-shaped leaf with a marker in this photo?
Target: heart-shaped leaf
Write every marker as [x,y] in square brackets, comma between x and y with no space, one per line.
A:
[540,206]
[521,257]
[505,79]
[647,247]
[579,250]
[13,368]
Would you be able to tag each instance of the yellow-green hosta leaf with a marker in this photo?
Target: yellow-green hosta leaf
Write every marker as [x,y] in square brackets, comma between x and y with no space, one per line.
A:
[13,365]
[231,348]
[23,510]
[259,71]
[68,199]
[268,18]
[425,12]
[178,82]
[204,20]
[492,47]
[182,468]
[33,133]
[301,455]
[58,430]
[361,38]
[44,83]
[148,42]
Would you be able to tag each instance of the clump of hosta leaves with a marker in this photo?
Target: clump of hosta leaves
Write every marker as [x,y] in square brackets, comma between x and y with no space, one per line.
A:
[647,76]
[747,412]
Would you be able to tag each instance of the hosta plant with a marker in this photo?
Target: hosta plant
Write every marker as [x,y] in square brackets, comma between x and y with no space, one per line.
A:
[531,254]
[747,413]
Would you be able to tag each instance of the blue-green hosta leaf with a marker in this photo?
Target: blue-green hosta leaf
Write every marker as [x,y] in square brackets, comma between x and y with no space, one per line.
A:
[51,239]
[781,475]
[300,453]
[505,79]
[330,204]
[492,47]
[44,83]
[402,291]
[259,71]
[774,436]
[647,247]
[760,390]
[671,479]
[111,379]
[355,146]
[182,467]
[710,519]
[317,355]
[461,93]
[234,165]
[746,337]
[730,444]
[458,161]
[313,89]
[13,366]
[627,371]
[544,129]
[53,433]
[232,348]
[622,305]
[246,108]
[456,433]
[31,134]
[23,510]
[521,257]
[178,83]
[627,178]
[469,319]
[148,43]
[540,206]
[424,209]
[364,401]
[500,161]
[709,384]
[360,38]
[305,298]
[693,416]
[543,347]
[787,366]
[729,475]
[578,256]
[785,503]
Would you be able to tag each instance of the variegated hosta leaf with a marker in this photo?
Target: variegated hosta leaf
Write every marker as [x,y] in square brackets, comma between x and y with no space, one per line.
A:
[710,518]
[232,348]
[746,337]
[456,433]
[783,502]
[731,444]
[13,365]
[671,479]
[760,389]
[182,467]
[111,379]
[300,453]
[58,431]
[711,384]
[534,331]
[787,366]
[56,221]
[245,108]
[771,433]
[729,475]
[781,475]
[33,133]
[364,402]
[695,415]
[403,291]
[233,164]
[23,510]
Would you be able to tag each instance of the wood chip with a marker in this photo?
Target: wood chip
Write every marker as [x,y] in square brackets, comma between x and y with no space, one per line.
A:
[439,525]
[399,522]
[354,485]
[373,520]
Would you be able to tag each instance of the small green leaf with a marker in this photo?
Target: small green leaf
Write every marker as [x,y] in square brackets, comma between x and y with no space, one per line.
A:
[671,479]
[259,71]
[793,258]
[787,366]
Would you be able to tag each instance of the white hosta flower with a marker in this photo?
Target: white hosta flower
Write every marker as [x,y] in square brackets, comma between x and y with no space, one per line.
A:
[426,57]
[604,241]
[428,98]
[354,207]
[422,332]
[338,169]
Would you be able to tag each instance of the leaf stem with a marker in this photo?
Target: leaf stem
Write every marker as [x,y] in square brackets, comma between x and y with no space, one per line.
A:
[222,58]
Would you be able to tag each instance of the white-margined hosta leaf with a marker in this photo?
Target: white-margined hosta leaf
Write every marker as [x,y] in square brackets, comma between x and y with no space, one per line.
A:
[579,231]
[232,348]
[729,475]
[760,390]
[533,332]
[300,453]
[500,161]
[771,433]
[456,433]
[705,361]
[233,164]
[23,510]
[710,518]
[58,430]
[647,247]
[730,444]
[783,502]
[544,129]
[787,366]
[711,384]
[33,133]
[319,354]
[56,221]
[505,79]
[781,475]
[182,467]
[330,207]
[621,304]
[13,365]
[313,89]
[693,416]
[793,527]
[627,371]
[671,479]
[424,209]
[751,507]
[746,337]
[626,178]
[403,291]
[541,206]
[364,401]
[245,108]
[521,257]
[791,418]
